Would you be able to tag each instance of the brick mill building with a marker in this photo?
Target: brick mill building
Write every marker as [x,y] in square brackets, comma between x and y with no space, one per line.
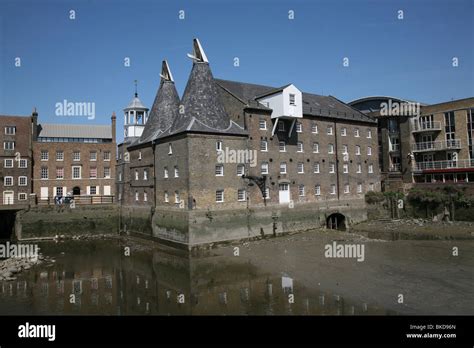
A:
[74,160]
[231,160]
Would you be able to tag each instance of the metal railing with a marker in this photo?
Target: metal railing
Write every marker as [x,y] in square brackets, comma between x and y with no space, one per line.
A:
[426,126]
[395,147]
[396,167]
[466,163]
[77,200]
[437,145]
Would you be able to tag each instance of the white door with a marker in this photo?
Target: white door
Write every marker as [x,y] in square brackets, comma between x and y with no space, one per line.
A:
[107,190]
[284,193]
[8,197]
[44,193]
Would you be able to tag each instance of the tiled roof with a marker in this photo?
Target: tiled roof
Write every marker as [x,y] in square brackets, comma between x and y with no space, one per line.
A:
[75,131]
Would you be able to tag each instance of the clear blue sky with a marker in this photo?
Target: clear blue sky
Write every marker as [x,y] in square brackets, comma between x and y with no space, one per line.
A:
[82,59]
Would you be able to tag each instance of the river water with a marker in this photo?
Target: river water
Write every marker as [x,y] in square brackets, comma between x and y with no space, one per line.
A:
[280,276]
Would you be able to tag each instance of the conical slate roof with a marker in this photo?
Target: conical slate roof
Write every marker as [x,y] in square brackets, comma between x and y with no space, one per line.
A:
[165,107]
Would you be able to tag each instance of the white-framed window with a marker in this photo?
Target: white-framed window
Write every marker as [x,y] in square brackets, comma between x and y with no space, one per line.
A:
[292,99]
[145,196]
[371,186]
[59,191]
[176,172]
[369,151]
[329,130]
[59,173]
[170,149]
[299,146]
[93,190]
[262,124]
[264,168]
[145,174]
[137,176]
[240,169]
[219,196]
[165,172]
[345,168]
[345,149]
[106,155]
[93,173]
[219,170]
[22,196]
[283,168]
[177,197]
[266,193]
[218,145]
[347,188]
[301,190]
[263,145]
[359,168]
[44,173]
[359,187]
[315,147]
[139,155]
[8,181]
[107,173]
[8,163]
[356,132]
[316,168]
[282,146]
[23,163]
[369,133]
[167,197]
[332,168]
[9,145]
[137,196]
[281,126]
[300,166]
[10,130]
[92,156]
[371,168]
[299,127]
[76,156]
[317,190]
[22,181]
[357,150]
[314,128]
[60,155]
[332,189]
[44,155]
[343,131]
[330,148]
[76,172]
[241,196]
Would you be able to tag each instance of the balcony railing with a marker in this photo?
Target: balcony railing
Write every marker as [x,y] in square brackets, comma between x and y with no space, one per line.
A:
[437,145]
[396,167]
[394,147]
[427,126]
[466,163]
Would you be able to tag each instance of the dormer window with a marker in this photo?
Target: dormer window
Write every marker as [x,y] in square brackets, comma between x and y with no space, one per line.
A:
[292,99]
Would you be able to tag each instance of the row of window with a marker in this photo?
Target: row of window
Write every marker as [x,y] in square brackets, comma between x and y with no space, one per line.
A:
[22,181]
[137,175]
[22,196]
[9,163]
[300,148]
[314,129]
[73,140]
[76,173]
[76,155]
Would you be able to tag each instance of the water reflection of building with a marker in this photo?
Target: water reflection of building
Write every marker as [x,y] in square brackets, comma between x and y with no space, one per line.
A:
[168,283]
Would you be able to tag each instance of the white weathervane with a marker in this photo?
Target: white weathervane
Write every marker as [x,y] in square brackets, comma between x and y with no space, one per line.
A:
[166,72]
[198,52]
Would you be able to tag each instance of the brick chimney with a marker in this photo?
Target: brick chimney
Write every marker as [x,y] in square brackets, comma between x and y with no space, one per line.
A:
[34,124]
[114,129]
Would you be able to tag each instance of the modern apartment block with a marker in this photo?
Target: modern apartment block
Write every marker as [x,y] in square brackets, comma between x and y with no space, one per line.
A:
[77,160]
[16,158]
[421,143]
[231,146]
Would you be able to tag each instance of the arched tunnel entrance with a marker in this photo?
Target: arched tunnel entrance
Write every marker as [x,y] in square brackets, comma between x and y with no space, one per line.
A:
[336,221]
[7,223]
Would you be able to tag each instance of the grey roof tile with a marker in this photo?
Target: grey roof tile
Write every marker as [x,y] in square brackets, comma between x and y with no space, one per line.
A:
[51,130]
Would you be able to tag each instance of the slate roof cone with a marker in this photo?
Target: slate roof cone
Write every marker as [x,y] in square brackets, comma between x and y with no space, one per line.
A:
[201,109]
[165,107]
